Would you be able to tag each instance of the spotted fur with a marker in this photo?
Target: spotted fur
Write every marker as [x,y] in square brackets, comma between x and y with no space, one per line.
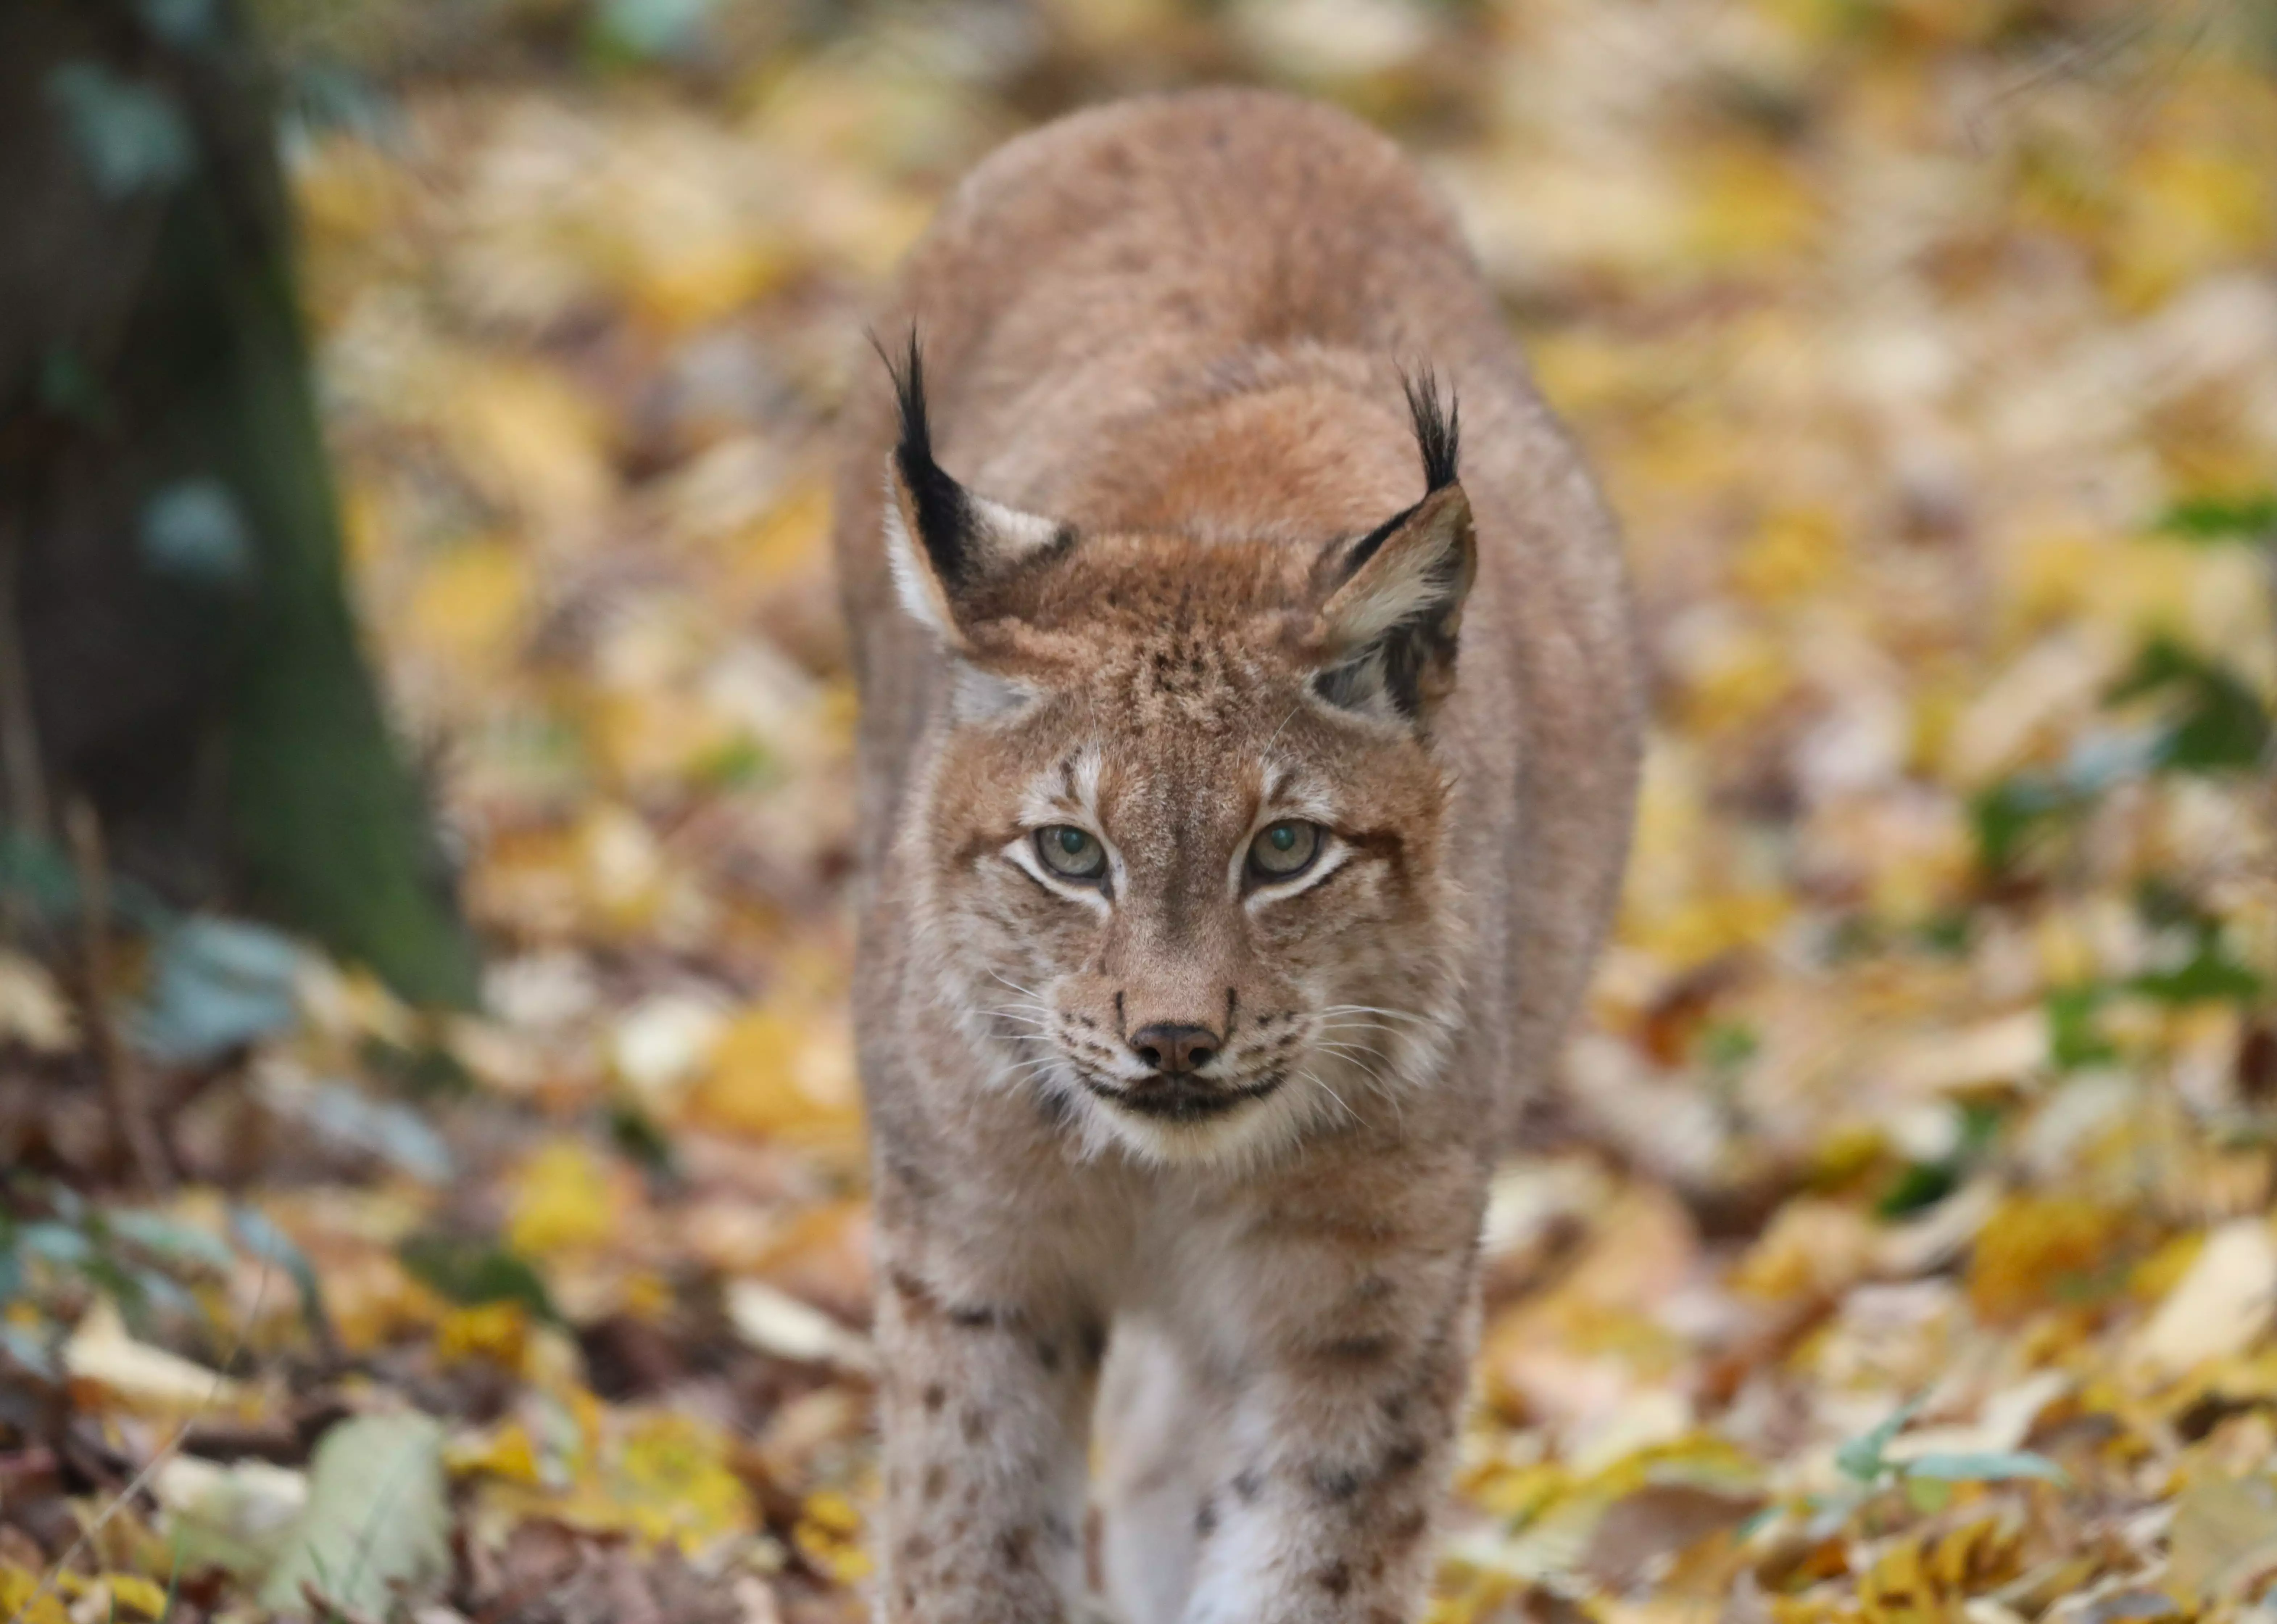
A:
[1157,527]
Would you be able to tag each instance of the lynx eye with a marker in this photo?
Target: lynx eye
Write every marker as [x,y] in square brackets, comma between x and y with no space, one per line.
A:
[1070,853]
[1284,850]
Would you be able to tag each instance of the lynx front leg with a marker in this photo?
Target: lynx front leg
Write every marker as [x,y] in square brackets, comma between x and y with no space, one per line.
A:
[1340,1446]
[984,1407]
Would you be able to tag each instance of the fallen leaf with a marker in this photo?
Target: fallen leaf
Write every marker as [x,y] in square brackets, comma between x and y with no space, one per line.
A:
[1641,1531]
[1983,1467]
[2009,1050]
[564,1199]
[101,1351]
[1811,1249]
[2035,1247]
[776,1323]
[2220,1306]
[2225,1530]
[219,983]
[33,1011]
[378,1522]
[235,1517]
[29,1597]
[773,1074]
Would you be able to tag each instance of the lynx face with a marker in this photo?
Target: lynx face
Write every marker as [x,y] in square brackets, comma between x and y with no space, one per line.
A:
[1185,836]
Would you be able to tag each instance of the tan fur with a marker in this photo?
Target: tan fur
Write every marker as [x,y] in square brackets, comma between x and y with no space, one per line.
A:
[1177,325]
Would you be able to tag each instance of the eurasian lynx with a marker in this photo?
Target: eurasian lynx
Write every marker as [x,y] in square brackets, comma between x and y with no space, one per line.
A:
[1216,915]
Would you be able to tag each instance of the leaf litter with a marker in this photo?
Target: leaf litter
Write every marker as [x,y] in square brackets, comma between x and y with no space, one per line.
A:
[1902,1250]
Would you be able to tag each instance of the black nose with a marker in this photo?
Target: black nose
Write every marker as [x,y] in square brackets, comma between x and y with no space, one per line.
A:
[1173,1048]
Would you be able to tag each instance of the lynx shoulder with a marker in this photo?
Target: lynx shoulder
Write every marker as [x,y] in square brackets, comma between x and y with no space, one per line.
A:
[1249,739]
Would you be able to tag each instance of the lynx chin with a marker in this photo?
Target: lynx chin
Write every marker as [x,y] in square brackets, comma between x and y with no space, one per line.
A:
[1249,738]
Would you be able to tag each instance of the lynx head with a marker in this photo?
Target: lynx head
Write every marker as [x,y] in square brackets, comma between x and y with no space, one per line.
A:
[1182,842]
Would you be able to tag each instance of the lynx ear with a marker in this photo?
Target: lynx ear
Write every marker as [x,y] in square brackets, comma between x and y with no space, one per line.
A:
[1395,596]
[943,542]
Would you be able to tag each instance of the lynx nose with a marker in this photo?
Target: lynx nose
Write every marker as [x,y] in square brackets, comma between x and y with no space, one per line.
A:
[1173,1048]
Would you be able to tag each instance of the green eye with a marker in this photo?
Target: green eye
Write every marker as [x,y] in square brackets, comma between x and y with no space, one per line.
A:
[1283,850]
[1071,853]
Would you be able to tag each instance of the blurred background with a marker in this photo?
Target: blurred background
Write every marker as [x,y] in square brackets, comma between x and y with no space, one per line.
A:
[426,1093]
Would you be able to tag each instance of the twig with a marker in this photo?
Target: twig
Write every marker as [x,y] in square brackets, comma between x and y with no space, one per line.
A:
[122,1075]
[19,733]
[2267,543]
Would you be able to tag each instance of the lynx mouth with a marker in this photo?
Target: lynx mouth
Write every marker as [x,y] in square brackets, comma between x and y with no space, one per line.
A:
[1167,1099]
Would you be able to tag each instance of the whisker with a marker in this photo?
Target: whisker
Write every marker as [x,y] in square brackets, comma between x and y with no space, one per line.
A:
[1370,1009]
[1343,1104]
[1377,1082]
[1025,992]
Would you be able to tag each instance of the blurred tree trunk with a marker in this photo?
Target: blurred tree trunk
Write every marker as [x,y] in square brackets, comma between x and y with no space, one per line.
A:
[176,647]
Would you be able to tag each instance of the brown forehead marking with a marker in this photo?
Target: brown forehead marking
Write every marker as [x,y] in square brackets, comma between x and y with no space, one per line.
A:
[981,846]
[1385,844]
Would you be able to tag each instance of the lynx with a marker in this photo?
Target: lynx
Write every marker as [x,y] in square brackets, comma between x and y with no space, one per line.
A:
[1249,738]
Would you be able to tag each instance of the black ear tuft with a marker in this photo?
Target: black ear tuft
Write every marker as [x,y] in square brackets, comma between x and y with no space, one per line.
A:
[943,510]
[1439,436]
[1438,433]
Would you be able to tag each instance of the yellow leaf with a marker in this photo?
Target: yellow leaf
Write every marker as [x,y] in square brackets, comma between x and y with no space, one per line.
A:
[671,1476]
[506,1453]
[496,1332]
[775,1074]
[1731,678]
[1796,552]
[529,440]
[563,1199]
[650,739]
[346,188]
[829,1534]
[2183,212]
[373,1299]
[686,284]
[2033,1248]
[137,1595]
[1517,1493]
[1749,208]
[471,604]
[791,536]
[1899,1590]
[1977,1556]
[1707,927]
[25,1598]
[1813,1249]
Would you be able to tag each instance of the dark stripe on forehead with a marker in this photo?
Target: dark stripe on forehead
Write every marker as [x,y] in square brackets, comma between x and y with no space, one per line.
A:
[1385,844]
[973,851]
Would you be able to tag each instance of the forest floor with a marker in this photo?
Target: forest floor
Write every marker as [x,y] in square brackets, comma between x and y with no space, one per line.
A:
[1903,1251]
